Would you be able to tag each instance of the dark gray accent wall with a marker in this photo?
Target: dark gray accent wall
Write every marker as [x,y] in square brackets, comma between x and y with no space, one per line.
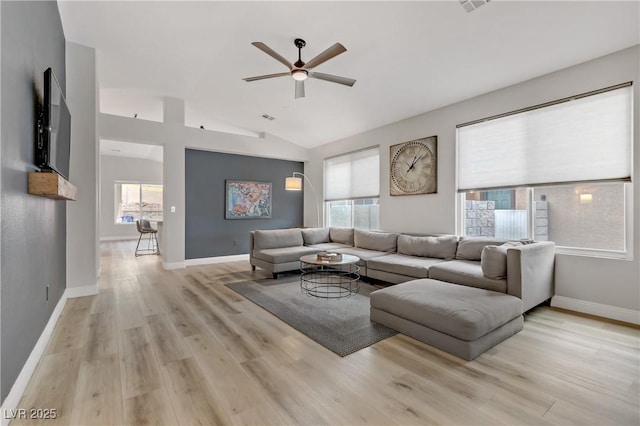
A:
[207,232]
[33,251]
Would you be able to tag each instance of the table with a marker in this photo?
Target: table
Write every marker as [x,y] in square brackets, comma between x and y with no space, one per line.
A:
[329,280]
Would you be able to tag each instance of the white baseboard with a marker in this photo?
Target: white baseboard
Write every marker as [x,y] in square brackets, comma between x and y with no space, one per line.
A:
[10,404]
[598,309]
[85,290]
[123,238]
[167,266]
[217,259]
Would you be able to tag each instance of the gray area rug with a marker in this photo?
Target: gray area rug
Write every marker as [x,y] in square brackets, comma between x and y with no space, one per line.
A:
[340,325]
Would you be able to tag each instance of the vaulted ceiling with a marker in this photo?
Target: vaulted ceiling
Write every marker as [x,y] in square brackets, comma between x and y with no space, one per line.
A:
[407,57]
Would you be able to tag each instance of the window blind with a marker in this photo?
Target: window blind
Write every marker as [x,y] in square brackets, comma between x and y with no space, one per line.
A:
[353,175]
[576,140]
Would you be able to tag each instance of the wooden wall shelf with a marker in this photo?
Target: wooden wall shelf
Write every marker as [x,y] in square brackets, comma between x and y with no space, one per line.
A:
[51,185]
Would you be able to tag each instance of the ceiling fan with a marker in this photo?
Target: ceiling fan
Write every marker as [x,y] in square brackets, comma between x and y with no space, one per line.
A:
[300,70]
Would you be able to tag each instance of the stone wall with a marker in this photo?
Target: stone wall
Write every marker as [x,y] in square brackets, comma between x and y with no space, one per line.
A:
[542,221]
[480,218]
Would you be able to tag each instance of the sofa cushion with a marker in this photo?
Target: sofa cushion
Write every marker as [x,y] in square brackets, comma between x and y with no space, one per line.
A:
[470,248]
[459,311]
[379,241]
[442,247]
[466,272]
[276,238]
[363,254]
[329,246]
[341,235]
[494,260]
[315,235]
[283,254]
[412,266]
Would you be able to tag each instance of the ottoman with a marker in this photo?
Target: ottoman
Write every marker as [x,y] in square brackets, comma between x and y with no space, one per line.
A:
[464,321]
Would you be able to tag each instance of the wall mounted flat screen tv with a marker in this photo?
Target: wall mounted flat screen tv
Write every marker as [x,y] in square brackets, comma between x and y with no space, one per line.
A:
[53,146]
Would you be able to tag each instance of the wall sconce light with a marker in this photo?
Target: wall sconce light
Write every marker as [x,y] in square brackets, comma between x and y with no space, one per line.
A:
[586,198]
[294,183]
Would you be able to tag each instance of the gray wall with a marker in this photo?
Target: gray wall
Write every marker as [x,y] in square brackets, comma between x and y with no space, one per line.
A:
[33,228]
[120,169]
[207,232]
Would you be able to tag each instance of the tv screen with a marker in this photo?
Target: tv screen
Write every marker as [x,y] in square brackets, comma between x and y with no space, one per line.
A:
[53,148]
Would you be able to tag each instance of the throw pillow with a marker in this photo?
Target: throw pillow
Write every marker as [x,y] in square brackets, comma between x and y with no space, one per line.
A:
[494,260]
[470,248]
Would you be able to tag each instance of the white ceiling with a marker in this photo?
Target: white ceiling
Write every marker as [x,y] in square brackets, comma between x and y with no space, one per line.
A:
[407,57]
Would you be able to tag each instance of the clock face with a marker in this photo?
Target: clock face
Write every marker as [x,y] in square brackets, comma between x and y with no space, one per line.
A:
[413,167]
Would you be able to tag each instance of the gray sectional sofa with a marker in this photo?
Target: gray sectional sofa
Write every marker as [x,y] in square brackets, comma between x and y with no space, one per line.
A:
[523,269]
[462,295]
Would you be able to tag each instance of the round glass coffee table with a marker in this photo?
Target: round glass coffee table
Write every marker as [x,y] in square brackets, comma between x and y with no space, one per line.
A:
[329,279]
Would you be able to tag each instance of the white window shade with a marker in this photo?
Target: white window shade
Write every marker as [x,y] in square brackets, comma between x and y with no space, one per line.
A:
[586,139]
[353,175]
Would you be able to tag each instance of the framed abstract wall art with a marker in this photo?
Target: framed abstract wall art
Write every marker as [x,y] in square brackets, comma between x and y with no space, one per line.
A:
[247,199]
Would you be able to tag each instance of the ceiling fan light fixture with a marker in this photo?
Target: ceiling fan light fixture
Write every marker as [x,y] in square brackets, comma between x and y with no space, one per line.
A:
[299,75]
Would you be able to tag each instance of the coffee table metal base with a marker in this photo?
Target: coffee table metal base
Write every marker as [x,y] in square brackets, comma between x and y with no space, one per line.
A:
[329,282]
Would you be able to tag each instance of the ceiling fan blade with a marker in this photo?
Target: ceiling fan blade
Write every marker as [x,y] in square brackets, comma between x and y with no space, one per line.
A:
[262,77]
[269,51]
[333,78]
[299,89]
[334,50]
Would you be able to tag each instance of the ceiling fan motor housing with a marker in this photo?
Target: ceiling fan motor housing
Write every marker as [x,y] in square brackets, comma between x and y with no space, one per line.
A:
[300,43]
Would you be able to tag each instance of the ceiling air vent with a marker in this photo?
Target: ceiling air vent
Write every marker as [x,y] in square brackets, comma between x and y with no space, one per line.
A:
[471,5]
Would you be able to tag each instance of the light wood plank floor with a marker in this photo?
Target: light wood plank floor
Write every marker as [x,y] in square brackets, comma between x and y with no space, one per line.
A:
[161,347]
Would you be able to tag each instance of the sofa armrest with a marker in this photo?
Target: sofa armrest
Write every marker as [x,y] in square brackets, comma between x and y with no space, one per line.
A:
[530,272]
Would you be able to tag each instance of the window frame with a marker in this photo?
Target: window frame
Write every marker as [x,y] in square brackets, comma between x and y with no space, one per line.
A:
[626,254]
[140,184]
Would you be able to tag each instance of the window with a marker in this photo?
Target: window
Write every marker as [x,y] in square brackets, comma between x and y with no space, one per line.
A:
[589,215]
[352,188]
[563,172]
[584,216]
[496,213]
[362,213]
[135,201]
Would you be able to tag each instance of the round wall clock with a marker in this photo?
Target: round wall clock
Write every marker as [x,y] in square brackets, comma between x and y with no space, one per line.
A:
[413,167]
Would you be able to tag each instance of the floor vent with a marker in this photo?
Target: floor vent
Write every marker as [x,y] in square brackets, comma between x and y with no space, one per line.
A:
[471,5]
